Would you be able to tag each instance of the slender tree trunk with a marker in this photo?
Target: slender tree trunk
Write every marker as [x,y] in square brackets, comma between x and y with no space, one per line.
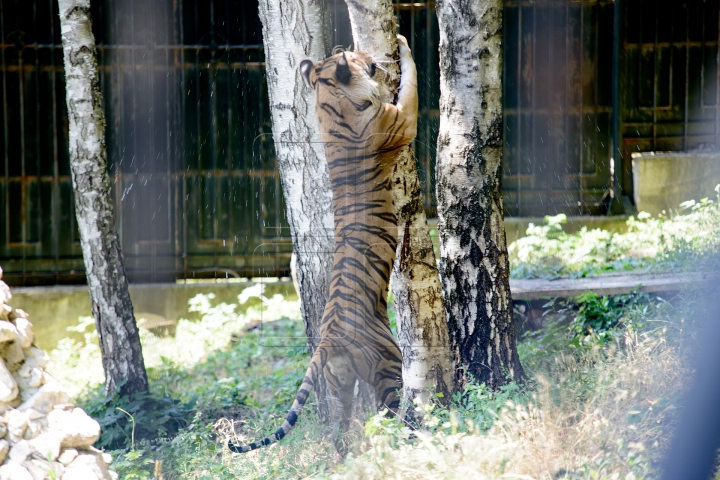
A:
[292,31]
[117,331]
[420,316]
[474,261]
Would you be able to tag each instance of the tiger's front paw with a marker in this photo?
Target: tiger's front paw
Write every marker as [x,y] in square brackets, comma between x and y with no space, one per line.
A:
[403,45]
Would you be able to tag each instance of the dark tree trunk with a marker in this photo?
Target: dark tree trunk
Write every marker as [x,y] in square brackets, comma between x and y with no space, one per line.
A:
[473,251]
[293,31]
[117,331]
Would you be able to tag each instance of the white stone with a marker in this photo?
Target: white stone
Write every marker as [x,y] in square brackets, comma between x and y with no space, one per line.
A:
[8,332]
[75,429]
[25,393]
[67,456]
[4,449]
[20,451]
[15,471]
[5,294]
[25,332]
[16,424]
[40,469]
[37,356]
[35,428]
[34,414]
[87,467]
[48,395]
[18,313]
[46,446]
[8,386]
[28,378]
[13,354]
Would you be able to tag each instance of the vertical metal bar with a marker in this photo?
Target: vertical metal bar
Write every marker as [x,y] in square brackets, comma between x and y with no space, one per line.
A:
[133,74]
[616,206]
[566,128]
[151,52]
[702,64]
[23,191]
[120,177]
[582,104]
[717,85]
[533,127]
[38,219]
[552,161]
[171,190]
[181,154]
[687,76]
[6,134]
[656,77]
[519,111]
[56,165]
[428,149]
[212,78]
[596,100]
[199,175]
[228,146]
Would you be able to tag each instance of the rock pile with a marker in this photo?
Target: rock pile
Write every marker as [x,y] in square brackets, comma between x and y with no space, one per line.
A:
[42,436]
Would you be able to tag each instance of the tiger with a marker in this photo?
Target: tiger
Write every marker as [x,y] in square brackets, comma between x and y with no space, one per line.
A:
[361,136]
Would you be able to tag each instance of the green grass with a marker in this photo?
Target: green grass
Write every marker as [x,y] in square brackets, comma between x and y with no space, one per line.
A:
[605,375]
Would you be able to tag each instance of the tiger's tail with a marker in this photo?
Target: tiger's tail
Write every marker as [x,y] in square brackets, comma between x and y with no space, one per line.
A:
[307,386]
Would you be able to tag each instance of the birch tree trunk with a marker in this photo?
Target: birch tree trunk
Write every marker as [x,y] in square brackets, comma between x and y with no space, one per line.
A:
[422,329]
[113,311]
[294,30]
[474,261]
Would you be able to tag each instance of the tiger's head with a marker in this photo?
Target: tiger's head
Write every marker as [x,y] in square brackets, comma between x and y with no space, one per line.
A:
[349,72]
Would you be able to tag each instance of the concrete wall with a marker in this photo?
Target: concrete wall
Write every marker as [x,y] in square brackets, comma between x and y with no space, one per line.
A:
[53,309]
[663,180]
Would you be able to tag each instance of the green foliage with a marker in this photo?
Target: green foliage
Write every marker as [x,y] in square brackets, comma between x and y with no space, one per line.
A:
[124,419]
[596,317]
[657,244]
[482,406]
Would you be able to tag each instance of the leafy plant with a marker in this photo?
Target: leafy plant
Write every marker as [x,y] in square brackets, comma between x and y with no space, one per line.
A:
[124,419]
[690,235]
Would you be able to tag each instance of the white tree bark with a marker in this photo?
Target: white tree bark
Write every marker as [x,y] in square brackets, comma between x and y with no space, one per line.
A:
[294,30]
[473,251]
[114,319]
[422,329]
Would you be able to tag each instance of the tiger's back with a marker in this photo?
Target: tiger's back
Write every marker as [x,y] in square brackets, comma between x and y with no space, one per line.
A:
[361,135]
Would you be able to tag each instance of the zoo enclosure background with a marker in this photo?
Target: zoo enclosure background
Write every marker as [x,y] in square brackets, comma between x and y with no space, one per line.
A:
[191,156]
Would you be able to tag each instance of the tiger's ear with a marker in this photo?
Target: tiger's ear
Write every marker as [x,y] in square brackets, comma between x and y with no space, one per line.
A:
[305,68]
[342,71]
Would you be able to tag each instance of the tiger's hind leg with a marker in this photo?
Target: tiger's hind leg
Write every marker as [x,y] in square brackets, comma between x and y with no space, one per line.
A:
[388,377]
[341,383]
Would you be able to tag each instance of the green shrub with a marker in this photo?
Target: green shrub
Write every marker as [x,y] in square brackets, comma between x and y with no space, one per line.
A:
[140,416]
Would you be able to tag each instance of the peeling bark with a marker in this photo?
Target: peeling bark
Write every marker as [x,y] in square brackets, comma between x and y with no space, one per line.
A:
[113,311]
[292,31]
[473,251]
[422,329]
